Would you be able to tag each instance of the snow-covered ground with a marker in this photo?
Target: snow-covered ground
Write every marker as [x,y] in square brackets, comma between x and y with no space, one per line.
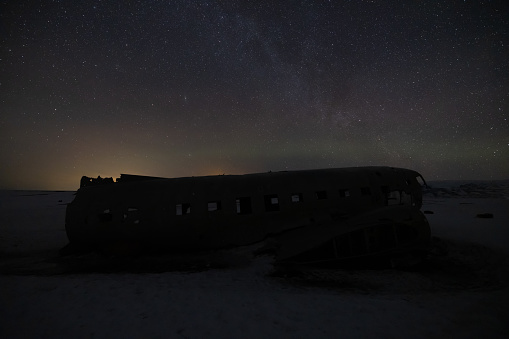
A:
[462,291]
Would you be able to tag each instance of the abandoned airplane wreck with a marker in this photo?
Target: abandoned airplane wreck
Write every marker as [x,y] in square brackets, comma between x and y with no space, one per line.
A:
[313,216]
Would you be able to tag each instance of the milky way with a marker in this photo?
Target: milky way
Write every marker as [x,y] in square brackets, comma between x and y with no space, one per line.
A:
[179,88]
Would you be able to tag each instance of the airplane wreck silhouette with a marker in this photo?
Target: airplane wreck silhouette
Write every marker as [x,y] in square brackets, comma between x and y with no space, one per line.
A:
[324,216]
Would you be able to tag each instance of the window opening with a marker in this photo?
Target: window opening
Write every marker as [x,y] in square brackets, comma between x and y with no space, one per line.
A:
[406,198]
[297,197]
[214,206]
[320,195]
[106,215]
[131,214]
[243,205]
[365,191]
[271,202]
[393,198]
[184,208]
[343,193]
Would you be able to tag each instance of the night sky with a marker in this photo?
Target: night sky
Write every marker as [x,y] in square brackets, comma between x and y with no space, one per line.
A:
[183,88]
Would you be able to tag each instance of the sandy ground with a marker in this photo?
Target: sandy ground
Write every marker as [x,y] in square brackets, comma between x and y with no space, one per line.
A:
[461,291]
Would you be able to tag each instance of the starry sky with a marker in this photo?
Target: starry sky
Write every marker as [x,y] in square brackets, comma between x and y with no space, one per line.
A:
[186,88]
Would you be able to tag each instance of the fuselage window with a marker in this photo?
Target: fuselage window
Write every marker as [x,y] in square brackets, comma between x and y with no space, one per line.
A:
[320,195]
[365,191]
[243,205]
[394,198]
[420,180]
[271,203]
[406,198]
[344,193]
[297,197]
[106,215]
[182,209]
[214,206]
